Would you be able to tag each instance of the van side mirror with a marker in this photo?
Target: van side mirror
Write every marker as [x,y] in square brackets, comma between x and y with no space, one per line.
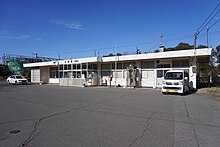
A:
[186,78]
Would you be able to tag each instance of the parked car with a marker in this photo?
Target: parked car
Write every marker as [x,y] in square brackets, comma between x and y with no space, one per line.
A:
[17,79]
[176,81]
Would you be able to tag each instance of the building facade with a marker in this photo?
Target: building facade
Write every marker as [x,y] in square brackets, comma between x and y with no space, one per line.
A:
[139,70]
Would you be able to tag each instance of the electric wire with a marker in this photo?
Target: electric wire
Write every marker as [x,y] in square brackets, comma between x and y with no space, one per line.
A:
[208,17]
[208,22]
[122,46]
[205,23]
[129,45]
[214,23]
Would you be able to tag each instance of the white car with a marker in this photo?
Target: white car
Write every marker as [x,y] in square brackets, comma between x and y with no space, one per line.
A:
[17,79]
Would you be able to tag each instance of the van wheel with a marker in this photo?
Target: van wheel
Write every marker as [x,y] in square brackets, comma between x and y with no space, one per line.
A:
[163,92]
[8,82]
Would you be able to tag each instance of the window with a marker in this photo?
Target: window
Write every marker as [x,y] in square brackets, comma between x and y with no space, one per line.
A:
[105,66]
[61,67]
[119,65]
[78,74]
[147,64]
[74,74]
[65,67]
[74,66]
[180,63]
[166,66]
[159,73]
[105,73]
[61,74]
[69,67]
[94,66]
[53,72]
[84,74]
[185,63]
[163,65]
[78,66]
[65,75]
[176,63]
[83,66]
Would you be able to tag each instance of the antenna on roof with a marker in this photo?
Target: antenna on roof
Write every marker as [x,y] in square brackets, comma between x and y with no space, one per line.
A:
[161,43]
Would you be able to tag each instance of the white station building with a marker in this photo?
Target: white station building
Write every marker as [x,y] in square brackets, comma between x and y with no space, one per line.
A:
[139,70]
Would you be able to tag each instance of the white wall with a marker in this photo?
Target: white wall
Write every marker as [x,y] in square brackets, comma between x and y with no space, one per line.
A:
[44,74]
[53,80]
[35,75]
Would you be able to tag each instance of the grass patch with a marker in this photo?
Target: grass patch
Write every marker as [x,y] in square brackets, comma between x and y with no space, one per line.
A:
[216,92]
[214,89]
[217,96]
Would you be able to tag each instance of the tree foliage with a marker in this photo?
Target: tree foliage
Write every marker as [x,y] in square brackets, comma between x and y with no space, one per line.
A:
[4,71]
[213,66]
[26,73]
[180,46]
[217,54]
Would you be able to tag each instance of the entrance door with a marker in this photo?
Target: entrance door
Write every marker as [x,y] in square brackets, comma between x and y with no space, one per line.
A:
[131,77]
[160,75]
[35,75]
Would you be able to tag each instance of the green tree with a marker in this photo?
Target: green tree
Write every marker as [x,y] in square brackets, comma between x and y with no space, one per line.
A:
[180,46]
[183,46]
[214,65]
[26,73]
[201,46]
[217,54]
[4,71]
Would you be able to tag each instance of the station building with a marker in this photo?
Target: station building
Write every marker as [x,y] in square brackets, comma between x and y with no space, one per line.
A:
[138,70]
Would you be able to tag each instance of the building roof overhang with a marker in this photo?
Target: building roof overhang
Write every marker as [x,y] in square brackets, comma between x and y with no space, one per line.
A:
[161,55]
[149,56]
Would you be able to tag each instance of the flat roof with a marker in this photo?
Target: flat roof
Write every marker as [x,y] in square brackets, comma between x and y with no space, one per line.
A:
[148,56]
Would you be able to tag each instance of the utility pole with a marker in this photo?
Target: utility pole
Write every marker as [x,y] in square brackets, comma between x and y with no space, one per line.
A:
[195,37]
[161,39]
[207,36]
[116,65]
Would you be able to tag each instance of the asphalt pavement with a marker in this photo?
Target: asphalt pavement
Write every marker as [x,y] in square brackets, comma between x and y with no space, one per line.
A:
[54,116]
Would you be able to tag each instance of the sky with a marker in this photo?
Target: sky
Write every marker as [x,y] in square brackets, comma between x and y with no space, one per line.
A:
[85,28]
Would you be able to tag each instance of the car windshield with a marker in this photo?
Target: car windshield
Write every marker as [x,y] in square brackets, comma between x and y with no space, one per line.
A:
[174,76]
[19,77]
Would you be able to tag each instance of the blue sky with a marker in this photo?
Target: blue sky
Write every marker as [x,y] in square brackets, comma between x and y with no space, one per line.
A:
[75,28]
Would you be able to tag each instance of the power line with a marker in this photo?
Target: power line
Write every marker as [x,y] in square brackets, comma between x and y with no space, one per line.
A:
[207,18]
[208,22]
[120,46]
[214,23]
[130,45]
[205,23]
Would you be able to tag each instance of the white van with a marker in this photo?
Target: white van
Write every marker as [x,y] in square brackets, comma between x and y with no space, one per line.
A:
[176,81]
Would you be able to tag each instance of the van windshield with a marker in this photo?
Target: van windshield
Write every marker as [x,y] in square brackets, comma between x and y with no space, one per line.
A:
[174,76]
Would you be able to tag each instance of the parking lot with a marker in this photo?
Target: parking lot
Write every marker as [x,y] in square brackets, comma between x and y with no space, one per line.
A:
[50,115]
